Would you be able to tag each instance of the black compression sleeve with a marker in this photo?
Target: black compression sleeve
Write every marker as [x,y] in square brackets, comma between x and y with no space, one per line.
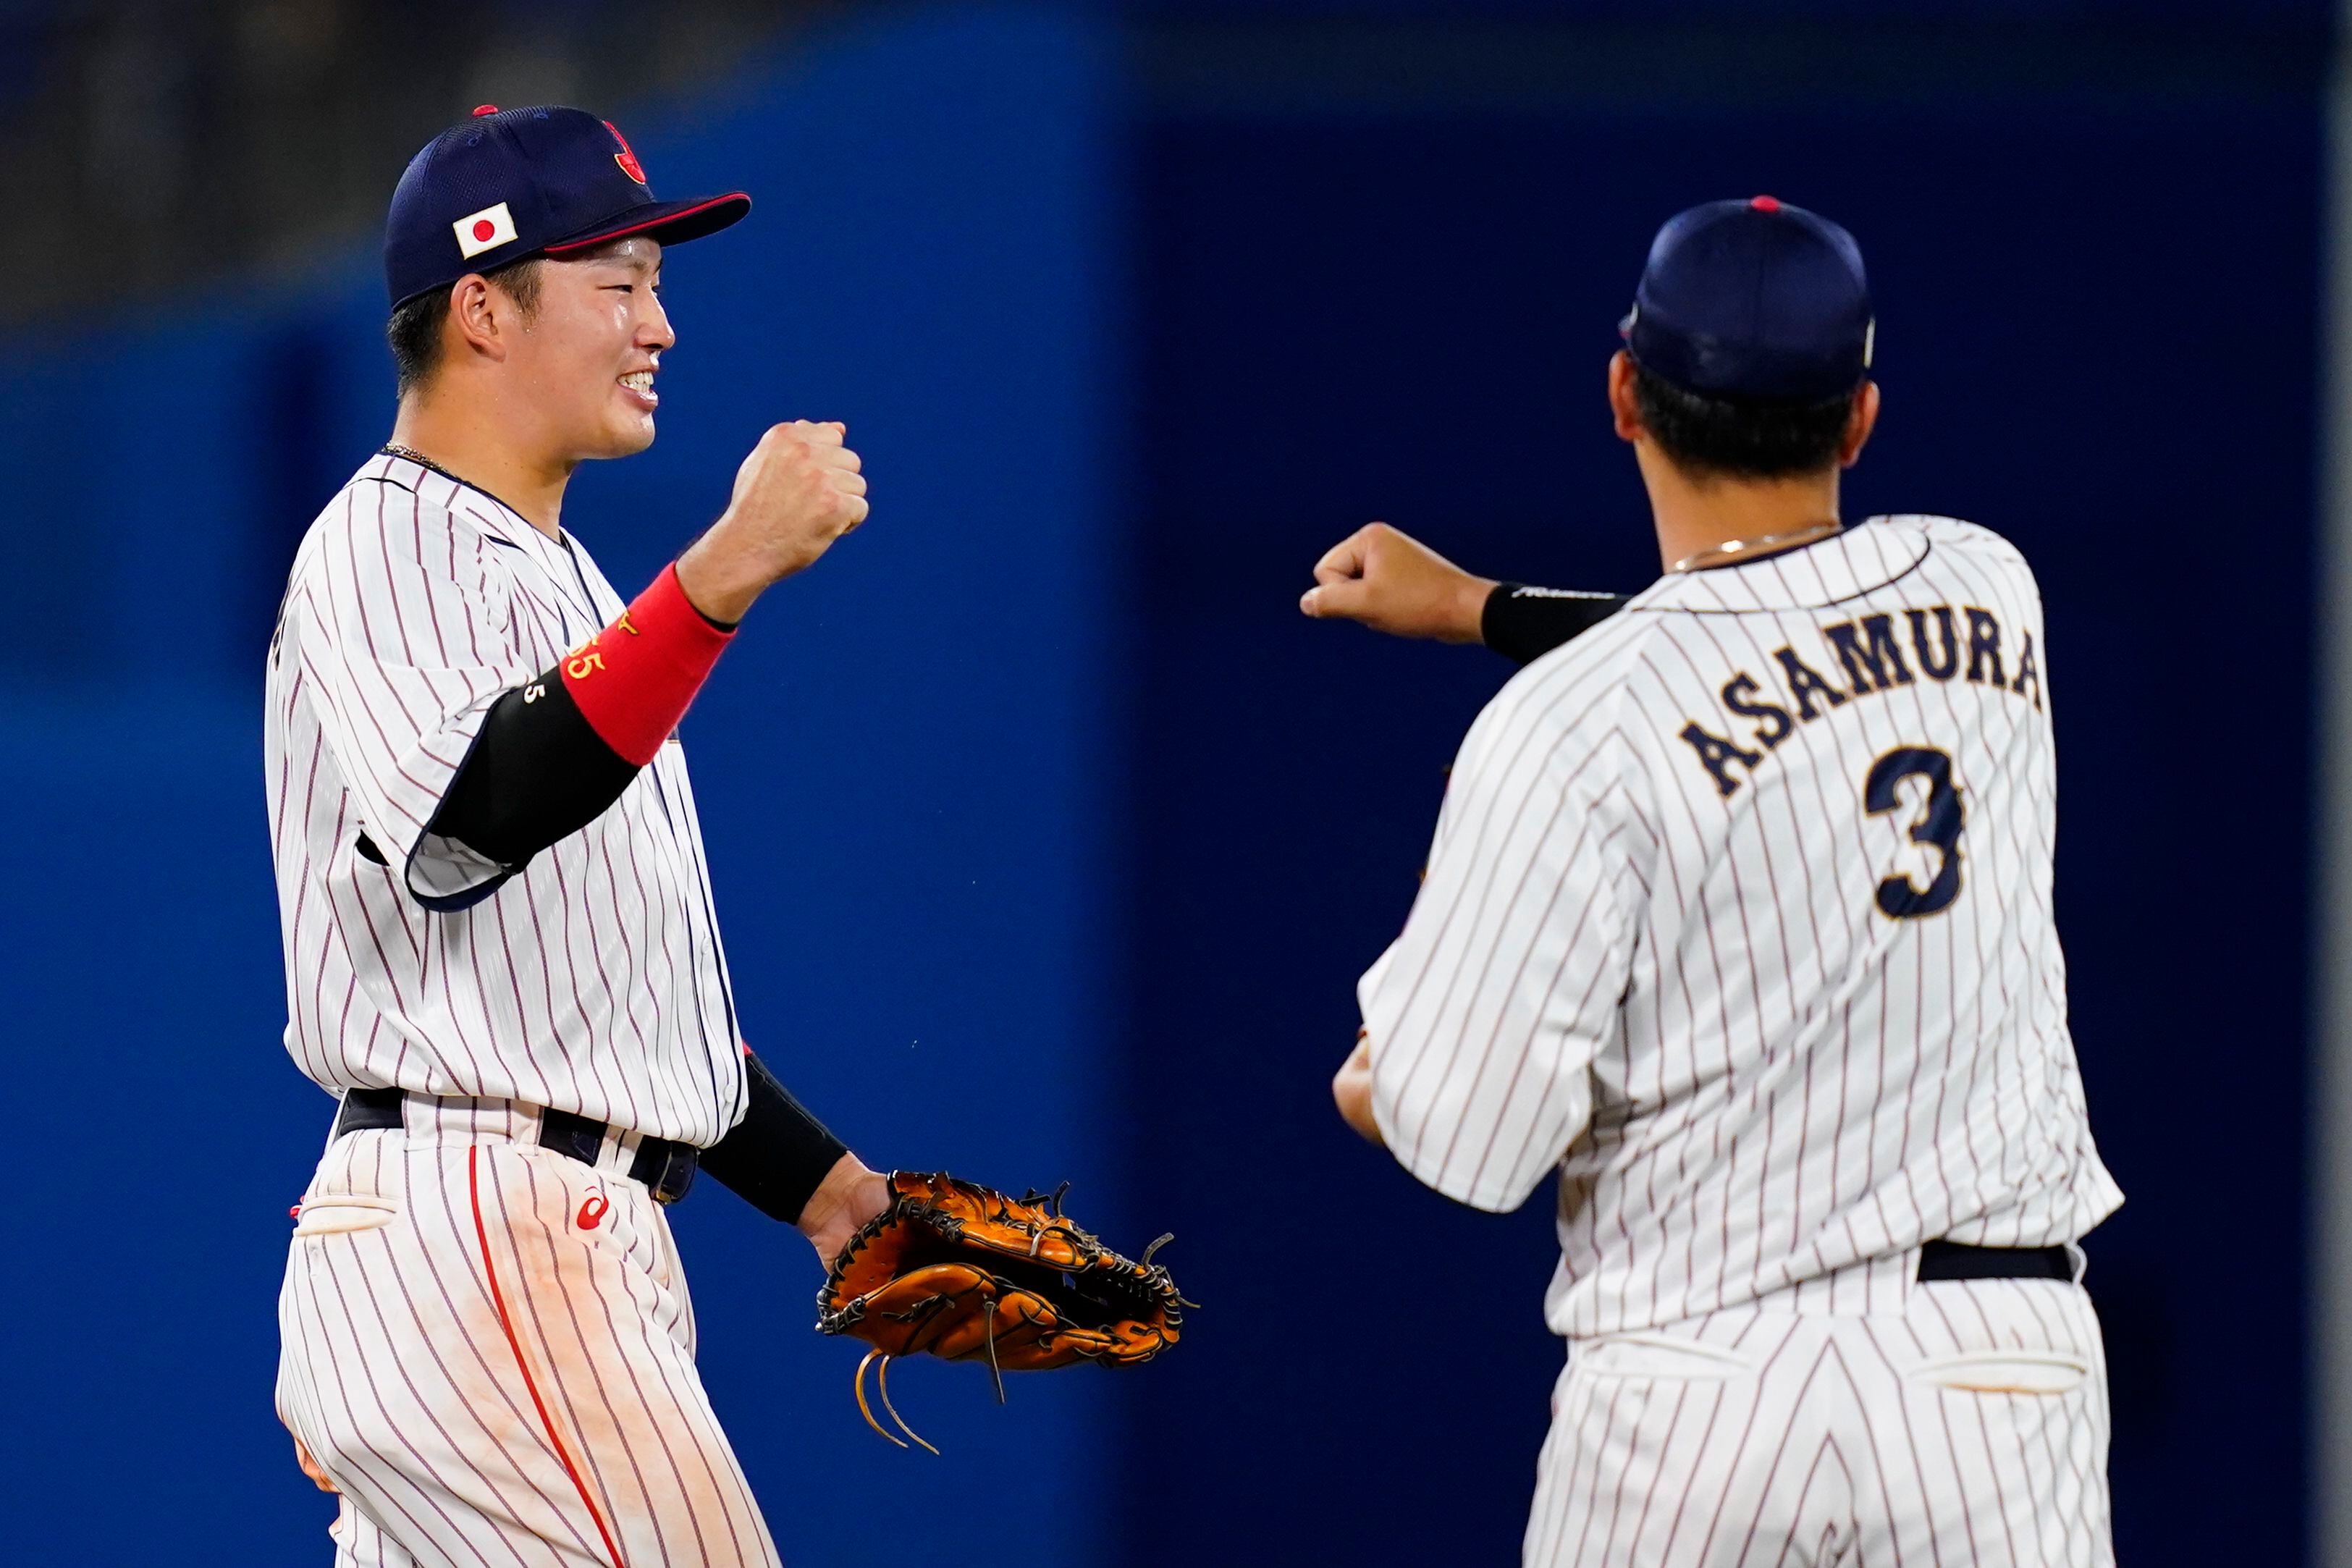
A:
[778,1153]
[537,773]
[1523,624]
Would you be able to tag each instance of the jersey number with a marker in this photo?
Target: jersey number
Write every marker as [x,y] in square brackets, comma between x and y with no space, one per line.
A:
[1939,826]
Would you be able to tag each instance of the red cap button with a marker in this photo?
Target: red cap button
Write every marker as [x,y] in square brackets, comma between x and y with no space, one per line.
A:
[482,109]
[1761,203]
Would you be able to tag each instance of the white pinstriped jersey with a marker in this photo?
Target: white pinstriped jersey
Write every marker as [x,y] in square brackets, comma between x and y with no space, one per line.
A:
[1739,912]
[591,982]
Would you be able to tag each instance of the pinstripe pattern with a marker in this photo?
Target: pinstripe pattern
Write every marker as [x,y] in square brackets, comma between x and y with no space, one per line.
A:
[492,1381]
[1774,1038]
[1751,1437]
[530,1401]
[593,981]
[1749,1078]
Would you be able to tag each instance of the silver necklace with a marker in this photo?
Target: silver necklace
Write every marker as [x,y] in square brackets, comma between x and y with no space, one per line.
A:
[1734,550]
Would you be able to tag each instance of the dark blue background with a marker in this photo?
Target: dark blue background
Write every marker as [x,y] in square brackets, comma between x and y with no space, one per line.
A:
[1049,839]
[2096,335]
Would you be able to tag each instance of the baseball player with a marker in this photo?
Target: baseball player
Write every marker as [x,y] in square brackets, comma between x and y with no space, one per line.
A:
[501,949]
[1739,915]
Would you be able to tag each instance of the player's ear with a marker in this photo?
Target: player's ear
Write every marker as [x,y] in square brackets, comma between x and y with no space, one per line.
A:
[480,318]
[1859,425]
[1621,405]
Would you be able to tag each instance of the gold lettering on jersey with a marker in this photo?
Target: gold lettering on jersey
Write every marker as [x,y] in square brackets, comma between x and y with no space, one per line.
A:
[1946,643]
[623,623]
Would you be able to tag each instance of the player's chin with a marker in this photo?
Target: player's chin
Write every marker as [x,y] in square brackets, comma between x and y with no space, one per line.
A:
[626,434]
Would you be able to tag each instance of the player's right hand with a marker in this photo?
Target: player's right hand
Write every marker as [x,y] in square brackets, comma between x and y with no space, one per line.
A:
[311,1468]
[1351,1089]
[800,488]
[1394,583]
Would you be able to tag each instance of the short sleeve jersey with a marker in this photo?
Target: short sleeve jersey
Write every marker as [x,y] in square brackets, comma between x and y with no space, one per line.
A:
[1738,913]
[591,980]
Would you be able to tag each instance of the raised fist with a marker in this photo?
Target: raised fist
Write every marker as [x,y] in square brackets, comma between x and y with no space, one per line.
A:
[799,491]
[1394,583]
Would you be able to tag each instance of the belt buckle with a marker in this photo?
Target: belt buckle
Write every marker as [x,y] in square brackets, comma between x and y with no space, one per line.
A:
[669,1171]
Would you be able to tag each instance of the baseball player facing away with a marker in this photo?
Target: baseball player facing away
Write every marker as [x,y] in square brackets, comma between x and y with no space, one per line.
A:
[1738,914]
[501,950]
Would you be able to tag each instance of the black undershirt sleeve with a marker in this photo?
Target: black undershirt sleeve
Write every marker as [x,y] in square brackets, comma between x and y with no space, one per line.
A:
[537,773]
[775,1157]
[1523,624]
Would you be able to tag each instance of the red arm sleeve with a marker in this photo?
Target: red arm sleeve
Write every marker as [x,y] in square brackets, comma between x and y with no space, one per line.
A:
[634,680]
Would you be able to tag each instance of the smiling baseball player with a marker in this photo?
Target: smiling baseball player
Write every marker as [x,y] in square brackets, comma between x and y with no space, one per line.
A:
[1739,916]
[500,948]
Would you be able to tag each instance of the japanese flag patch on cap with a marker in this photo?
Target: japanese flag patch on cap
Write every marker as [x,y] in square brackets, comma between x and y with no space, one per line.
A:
[477,232]
[545,181]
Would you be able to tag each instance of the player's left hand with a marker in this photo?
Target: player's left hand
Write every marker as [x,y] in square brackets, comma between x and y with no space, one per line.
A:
[1392,583]
[849,1195]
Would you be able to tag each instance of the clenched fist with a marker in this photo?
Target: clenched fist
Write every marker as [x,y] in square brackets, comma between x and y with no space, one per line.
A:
[1394,583]
[799,491]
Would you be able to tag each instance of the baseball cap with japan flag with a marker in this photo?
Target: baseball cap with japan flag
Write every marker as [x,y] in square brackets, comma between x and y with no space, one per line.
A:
[513,183]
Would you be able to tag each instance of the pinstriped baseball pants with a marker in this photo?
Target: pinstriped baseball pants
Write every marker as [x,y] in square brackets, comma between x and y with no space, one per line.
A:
[1970,1426]
[489,1348]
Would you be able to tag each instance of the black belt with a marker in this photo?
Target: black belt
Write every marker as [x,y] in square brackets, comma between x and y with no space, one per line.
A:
[1958,1260]
[663,1165]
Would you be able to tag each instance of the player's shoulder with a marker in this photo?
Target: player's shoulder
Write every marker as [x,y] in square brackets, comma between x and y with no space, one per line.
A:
[1951,534]
[1967,556]
[1566,701]
[1568,679]
[1890,558]
[393,507]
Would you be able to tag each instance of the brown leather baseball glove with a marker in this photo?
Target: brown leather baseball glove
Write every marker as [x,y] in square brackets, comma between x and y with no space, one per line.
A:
[961,1271]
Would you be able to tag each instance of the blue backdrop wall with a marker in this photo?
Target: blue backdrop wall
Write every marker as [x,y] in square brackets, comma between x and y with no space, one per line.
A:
[904,773]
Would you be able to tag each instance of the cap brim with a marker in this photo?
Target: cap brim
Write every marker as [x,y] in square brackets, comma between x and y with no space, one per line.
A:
[671,223]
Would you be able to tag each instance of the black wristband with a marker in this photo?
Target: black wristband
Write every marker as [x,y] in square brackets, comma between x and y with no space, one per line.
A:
[1523,624]
[778,1154]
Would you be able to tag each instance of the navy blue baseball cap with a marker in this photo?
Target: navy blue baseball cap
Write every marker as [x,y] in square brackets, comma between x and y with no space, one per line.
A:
[512,183]
[1753,300]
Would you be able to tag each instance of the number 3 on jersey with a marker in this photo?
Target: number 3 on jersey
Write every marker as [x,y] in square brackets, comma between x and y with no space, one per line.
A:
[1939,826]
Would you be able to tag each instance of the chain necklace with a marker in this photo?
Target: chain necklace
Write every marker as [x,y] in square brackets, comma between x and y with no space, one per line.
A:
[410,454]
[395,449]
[1734,551]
